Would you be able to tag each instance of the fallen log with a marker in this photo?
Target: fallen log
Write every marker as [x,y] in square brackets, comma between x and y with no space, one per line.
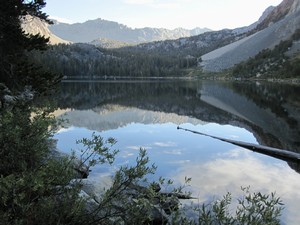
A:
[282,154]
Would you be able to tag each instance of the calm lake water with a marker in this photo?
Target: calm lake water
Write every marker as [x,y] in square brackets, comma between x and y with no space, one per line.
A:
[146,114]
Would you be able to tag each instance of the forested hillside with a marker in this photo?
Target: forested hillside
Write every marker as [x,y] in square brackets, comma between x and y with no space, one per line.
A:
[165,58]
[87,61]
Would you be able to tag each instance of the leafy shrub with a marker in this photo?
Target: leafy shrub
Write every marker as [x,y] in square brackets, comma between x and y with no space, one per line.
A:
[251,208]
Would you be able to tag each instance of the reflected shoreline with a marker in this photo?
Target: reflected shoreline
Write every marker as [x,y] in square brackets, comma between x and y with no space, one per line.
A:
[269,110]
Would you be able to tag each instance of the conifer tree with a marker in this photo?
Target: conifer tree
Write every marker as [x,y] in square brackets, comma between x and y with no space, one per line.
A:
[16,68]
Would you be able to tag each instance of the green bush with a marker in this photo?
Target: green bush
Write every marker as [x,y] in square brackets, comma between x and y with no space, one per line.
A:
[252,208]
[24,139]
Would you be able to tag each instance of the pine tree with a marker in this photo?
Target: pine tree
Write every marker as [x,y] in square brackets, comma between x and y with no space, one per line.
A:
[15,67]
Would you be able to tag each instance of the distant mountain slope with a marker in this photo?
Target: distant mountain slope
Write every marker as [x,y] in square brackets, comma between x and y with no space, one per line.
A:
[35,26]
[280,24]
[190,46]
[201,44]
[94,29]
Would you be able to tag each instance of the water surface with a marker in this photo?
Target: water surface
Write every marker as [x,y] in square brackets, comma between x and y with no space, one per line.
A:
[146,114]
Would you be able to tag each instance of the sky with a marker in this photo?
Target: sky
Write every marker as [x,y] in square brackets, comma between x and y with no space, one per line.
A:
[170,14]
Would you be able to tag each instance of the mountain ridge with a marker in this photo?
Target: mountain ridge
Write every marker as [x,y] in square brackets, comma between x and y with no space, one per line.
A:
[91,30]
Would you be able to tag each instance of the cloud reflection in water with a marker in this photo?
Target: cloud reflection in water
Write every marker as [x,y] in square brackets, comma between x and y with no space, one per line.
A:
[215,167]
[236,168]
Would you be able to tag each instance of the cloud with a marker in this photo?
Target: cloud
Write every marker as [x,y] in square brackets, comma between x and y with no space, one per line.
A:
[167,5]
[181,162]
[159,4]
[127,155]
[133,147]
[65,130]
[241,168]
[173,152]
[138,2]
[234,136]
[137,148]
[165,144]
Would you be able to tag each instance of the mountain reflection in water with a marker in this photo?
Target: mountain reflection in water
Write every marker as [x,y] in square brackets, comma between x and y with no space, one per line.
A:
[145,114]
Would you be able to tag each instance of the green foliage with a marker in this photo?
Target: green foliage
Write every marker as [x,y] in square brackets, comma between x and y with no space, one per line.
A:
[116,205]
[251,208]
[97,151]
[33,184]
[256,208]
[34,197]
[23,139]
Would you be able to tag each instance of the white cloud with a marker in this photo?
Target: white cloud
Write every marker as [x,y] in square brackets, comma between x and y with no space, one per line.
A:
[167,5]
[65,130]
[234,136]
[138,2]
[133,147]
[241,168]
[165,144]
[234,153]
[173,152]
[181,162]
[137,148]
[128,155]
[158,4]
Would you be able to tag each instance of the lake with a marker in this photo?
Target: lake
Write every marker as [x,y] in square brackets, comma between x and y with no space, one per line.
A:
[145,114]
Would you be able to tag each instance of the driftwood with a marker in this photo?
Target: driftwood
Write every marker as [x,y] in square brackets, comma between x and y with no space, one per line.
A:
[282,154]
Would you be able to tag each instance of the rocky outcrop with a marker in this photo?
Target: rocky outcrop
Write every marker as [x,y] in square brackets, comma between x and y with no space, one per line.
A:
[278,13]
[32,25]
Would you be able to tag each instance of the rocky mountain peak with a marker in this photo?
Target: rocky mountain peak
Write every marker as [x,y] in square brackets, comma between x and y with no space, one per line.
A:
[33,25]
[100,28]
[286,7]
